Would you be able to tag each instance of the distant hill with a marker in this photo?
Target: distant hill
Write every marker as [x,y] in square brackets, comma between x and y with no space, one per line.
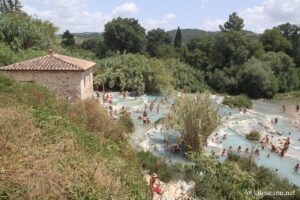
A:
[188,34]
[88,35]
[80,37]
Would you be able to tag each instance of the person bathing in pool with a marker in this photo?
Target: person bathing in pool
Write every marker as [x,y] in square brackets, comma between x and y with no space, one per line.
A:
[296,168]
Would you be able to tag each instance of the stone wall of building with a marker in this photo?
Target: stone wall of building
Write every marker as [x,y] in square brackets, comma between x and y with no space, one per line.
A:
[68,85]
[86,84]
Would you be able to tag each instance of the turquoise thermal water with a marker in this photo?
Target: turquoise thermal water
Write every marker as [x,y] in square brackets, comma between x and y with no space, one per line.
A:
[235,124]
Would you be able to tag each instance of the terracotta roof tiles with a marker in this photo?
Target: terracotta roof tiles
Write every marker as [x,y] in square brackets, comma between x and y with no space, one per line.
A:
[52,62]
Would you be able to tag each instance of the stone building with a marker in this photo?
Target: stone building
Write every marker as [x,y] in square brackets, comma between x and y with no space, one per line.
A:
[70,78]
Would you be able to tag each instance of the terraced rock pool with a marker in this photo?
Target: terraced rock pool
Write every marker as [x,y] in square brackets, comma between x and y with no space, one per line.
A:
[235,124]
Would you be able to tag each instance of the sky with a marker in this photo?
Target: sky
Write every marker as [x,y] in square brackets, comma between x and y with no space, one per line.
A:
[92,15]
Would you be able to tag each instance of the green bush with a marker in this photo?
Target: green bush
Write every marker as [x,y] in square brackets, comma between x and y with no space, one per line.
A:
[240,101]
[126,121]
[253,136]
[196,117]
[158,165]
[288,94]
[233,156]
[230,179]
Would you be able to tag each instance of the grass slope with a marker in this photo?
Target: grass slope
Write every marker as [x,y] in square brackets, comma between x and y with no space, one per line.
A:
[52,150]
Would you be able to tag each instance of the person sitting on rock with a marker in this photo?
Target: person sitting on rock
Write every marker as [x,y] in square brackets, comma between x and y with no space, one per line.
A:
[154,188]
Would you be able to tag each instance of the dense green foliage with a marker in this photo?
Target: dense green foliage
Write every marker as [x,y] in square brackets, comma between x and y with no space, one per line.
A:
[24,32]
[8,56]
[135,73]
[258,80]
[240,101]
[234,178]
[139,74]
[185,78]
[125,35]
[22,37]
[273,40]
[232,61]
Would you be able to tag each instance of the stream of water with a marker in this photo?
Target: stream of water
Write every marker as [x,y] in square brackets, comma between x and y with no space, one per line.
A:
[235,124]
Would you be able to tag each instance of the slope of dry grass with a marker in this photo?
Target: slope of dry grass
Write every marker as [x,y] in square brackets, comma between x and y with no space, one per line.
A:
[50,150]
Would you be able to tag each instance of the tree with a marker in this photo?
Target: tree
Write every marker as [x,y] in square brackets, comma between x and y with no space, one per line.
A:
[284,69]
[186,78]
[4,8]
[229,48]
[134,72]
[18,6]
[234,23]
[91,44]
[273,40]
[196,117]
[157,38]
[279,62]
[198,52]
[10,6]
[22,32]
[68,39]
[197,58]
[255,49]
[292,33]
[165,51]
[222,82]
[125,34]
[178,39]
[257,80]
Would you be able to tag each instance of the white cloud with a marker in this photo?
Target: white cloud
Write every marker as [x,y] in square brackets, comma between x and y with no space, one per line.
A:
[160,23]
[265,16]
[76,17]
[271,13]
[125,10]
